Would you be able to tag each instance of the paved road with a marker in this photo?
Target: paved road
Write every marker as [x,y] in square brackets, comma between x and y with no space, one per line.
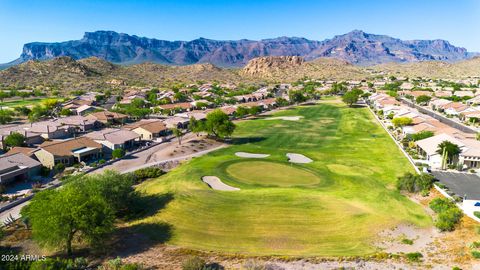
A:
[462,184]
[449,121]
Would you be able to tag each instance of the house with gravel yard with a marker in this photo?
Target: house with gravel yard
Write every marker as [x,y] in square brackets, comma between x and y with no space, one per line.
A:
[114,138]
[68,152]
[108,118]
[469,156]
[148,129]
[18,167]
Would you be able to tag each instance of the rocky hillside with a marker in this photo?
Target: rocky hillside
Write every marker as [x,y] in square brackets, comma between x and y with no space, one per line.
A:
[292,68]
[433,69]
[355,47]
[67,73]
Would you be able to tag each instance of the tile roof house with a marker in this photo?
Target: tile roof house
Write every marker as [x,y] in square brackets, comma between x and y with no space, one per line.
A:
[30,137]
[50,130]
[148,129]
[27,151]
[108,118]
[68,152]
[429,147]
[114,138]
[18,167]
[78,122]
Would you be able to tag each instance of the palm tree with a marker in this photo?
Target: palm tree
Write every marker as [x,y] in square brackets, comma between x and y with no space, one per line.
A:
[449,151]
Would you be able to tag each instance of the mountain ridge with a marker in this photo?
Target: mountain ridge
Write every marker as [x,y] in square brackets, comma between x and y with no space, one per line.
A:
[356,47]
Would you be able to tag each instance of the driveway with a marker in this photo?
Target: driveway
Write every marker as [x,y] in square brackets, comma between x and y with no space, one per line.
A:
[462,184]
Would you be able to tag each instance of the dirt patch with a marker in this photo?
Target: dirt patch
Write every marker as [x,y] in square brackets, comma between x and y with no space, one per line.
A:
[217,184]
[250,155]
[407,238]
[298,158]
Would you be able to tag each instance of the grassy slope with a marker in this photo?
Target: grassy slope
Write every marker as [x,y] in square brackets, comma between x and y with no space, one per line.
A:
[20,102]
[353,156]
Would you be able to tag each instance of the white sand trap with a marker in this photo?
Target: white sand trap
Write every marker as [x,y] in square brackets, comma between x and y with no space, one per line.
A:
[298,158]
[287,118]
[217,184]
[251,155]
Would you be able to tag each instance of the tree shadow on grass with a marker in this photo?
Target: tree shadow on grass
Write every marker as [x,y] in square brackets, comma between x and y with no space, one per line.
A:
[245,140]
[140,237]
[147,205]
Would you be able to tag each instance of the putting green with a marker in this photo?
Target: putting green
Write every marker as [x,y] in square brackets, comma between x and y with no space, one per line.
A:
[265,173]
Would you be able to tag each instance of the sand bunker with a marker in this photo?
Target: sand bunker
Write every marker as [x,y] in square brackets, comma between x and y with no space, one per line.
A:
[298,158]
[217,184]
[250,155]
[287,118]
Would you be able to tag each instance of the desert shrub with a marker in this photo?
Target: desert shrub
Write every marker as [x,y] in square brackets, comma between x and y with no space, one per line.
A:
[415,182]
[407,241]
[147,173]
[448,214]
[475,244]
[477,214]
[194,263]
[476,254]
[118,264]
[58,263]
[439,205]
[456,268]
[414,256]
[101,161]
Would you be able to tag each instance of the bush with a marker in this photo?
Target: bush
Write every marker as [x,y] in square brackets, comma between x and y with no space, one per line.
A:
[60,167]
[407,241]
[194,263]
[101,161]
[476,254]
[448,214]
[439,205]
[117,264]
[118,153]
[147,173]
[415,182]
[414,256]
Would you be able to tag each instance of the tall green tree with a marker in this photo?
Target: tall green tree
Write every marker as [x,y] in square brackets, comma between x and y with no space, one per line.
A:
[218,124]
[350,98]
[58,217]
[178,134]
[83,210]
[196,126]
[423,99]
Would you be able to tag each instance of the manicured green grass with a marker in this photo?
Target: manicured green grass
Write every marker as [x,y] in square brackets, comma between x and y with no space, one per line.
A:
[334,206]
[265,173]
[20,102]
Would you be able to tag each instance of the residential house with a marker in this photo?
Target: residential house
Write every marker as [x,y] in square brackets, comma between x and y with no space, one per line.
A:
[18,167]
[30,138]
[454,108]
[114,138]
[148,129]
[108,118]
[84,110]
[176,122]
[50,130]
[68,152]
[438,104]
[78,123]
[27,151]
[429,147]
[183,106]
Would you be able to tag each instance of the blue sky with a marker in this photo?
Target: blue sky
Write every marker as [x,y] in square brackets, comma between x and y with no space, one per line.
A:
[48,20]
